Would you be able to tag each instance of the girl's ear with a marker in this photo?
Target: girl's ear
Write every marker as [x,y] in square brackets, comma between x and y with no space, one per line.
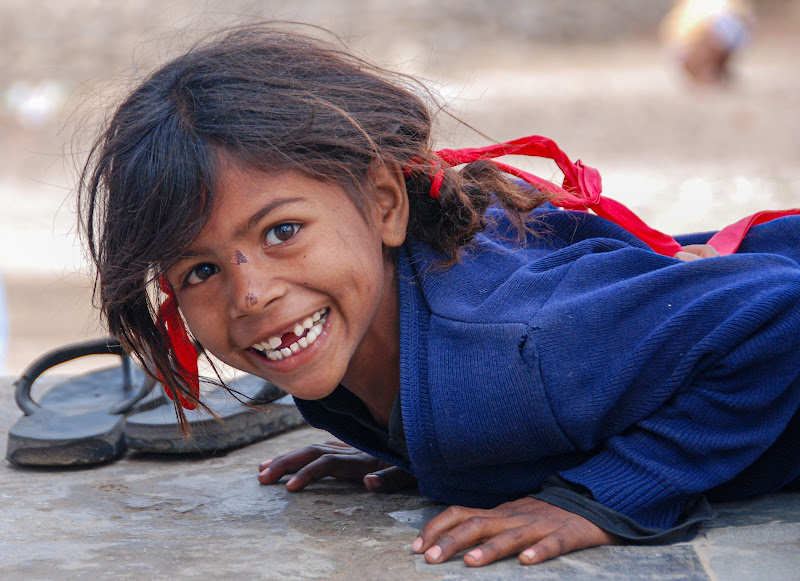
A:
[392,202]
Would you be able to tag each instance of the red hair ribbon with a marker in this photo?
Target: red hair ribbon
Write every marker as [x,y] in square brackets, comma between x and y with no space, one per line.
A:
[171,325]
[437,181]
[727,240]
[582,190]
[436,175]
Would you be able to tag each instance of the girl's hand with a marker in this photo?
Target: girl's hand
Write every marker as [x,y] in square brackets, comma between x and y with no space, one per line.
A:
[535,530]
[696,251]
[334,459]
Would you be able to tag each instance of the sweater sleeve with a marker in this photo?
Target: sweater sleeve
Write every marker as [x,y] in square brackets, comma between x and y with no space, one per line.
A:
[578,500]
[686,402]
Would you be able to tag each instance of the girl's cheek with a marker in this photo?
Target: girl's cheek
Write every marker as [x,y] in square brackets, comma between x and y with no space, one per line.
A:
[198,327]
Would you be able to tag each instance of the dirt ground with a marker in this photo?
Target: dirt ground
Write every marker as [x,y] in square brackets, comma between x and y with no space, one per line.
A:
[685,159]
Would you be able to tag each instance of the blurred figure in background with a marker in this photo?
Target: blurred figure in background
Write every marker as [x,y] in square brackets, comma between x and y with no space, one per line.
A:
[705,34]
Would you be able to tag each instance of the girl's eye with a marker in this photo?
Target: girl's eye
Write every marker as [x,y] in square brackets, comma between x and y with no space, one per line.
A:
[200,273]
[280,233]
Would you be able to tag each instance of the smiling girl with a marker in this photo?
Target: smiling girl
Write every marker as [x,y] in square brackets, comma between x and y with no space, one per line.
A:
[549,373]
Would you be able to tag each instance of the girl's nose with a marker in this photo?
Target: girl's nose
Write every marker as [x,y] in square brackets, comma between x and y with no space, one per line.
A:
[250,294]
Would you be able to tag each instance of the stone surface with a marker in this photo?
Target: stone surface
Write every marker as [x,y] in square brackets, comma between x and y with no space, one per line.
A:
[157,517]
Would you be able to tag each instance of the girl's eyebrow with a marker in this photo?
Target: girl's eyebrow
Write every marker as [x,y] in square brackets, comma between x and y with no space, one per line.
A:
[253,220]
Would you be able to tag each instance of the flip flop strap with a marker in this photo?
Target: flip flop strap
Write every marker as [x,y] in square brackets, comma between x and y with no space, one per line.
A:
[104,346]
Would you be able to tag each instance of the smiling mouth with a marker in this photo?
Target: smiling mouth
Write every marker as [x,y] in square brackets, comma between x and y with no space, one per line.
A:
[305,332]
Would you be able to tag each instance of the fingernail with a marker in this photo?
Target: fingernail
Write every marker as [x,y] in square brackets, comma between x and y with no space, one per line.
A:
[264,464]
[373,481]
[527,555]
[435,552]
[475,555]
[417,544]
[291,481]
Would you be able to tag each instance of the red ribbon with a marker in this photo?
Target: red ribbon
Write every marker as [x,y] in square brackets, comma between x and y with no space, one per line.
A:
[582,190]
[727,240]
[171,325]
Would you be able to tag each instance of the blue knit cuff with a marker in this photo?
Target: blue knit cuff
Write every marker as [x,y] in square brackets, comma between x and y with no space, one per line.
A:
[577,500]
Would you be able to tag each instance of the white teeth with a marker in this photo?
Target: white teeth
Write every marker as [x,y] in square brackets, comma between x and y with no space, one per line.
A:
[308,330]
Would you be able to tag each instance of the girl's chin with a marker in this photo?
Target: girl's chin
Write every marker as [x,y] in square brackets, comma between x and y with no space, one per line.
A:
[297,378]
[307,391]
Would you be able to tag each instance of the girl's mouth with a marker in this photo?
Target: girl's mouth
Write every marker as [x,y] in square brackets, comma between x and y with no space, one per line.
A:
[305,332]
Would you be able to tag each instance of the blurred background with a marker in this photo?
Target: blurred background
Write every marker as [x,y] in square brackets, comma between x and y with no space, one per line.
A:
[595,75]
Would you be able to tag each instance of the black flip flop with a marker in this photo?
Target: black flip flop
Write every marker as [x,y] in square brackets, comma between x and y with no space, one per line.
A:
[95,417]
[81,420]
[258,411]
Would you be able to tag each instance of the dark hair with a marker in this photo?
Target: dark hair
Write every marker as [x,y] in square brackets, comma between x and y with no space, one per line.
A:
[269,98]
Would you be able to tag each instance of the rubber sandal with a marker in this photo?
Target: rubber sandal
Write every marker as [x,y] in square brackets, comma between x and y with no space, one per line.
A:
[258,411]
[80,421]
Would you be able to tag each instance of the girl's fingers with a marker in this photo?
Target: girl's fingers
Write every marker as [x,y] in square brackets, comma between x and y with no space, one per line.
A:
[531,541]
[696,251]
[389,480]
[342,466]
[273,470]
[508,542]
[335,459]
[270,471]
[564,540]
[536,529]
[440,525]
[550,547]
[701,250]
[686,256]
[471,532]
[310,473]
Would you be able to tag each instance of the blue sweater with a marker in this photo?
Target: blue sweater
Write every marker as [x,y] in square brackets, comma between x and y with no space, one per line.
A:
[584,354]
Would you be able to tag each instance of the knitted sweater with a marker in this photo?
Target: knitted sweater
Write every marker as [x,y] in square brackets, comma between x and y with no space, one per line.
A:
[584,354]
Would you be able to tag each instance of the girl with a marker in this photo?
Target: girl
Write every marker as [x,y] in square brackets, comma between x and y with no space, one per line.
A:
[546,372]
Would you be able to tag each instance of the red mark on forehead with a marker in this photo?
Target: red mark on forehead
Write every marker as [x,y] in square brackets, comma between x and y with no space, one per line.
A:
[251,300]
[238,258]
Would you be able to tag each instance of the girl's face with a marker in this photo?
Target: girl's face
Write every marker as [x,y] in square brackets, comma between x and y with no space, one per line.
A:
[290,282]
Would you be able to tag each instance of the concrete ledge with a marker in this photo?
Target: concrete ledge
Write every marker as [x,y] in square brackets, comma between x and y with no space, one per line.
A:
[155,517]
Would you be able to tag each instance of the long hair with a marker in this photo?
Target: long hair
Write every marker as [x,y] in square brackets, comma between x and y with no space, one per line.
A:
[269,98]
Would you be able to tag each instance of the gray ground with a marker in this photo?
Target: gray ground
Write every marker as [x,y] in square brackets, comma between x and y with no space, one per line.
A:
[157,517]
